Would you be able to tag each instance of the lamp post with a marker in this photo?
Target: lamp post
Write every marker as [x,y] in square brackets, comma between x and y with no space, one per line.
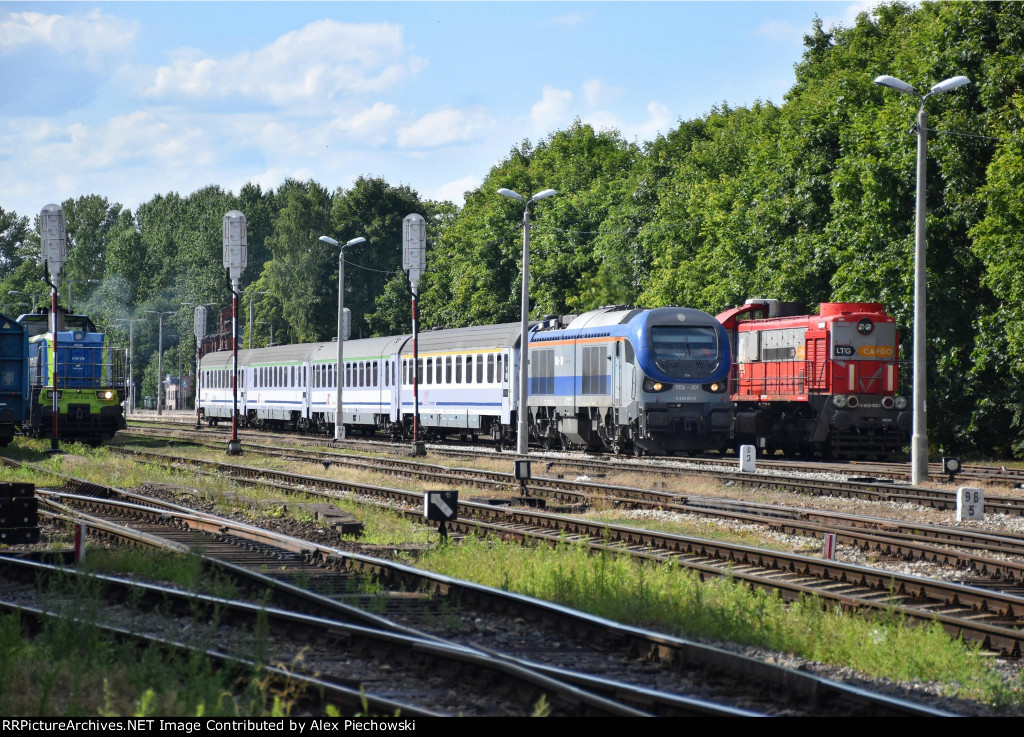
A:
[160,357]
[251,296]
[919,438]
[25,294]
[131,360]
[522,439]
[339,419]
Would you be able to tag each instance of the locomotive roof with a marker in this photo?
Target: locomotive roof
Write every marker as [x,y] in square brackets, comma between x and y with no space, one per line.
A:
[828,312]
[603,316]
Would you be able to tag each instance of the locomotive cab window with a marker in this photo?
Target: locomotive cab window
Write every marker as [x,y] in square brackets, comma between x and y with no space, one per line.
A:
[687,351]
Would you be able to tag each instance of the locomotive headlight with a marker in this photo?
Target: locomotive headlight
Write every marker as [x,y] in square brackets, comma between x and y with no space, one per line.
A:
[106,394]
[901,402]
[716,388]
[650,385]
[888,402]
[839,400]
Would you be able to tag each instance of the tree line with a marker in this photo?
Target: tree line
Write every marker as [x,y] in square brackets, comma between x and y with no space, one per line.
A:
[810,200]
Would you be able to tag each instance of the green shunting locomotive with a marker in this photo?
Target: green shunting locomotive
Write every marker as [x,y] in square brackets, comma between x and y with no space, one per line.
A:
[89,379]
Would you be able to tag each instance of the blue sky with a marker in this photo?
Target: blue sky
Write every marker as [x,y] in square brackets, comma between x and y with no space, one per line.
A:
[129,100]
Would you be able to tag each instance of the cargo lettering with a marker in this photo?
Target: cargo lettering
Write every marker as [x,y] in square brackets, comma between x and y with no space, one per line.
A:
[875,351]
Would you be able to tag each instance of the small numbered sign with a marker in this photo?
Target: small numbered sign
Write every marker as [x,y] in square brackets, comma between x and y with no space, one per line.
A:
[747,455]
[970,503]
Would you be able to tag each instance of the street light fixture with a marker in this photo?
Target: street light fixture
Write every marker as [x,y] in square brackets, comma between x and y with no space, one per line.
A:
[160,357]
[131,360]
[339,374]
[25,294]
[919,438]
[523,436]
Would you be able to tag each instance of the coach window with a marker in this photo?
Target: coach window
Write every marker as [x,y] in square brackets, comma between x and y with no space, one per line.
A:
[480,369]
[497,371]
[362,373]
[469,369]
[458,369]
[448,370]
[376,373]
[490,368]
[430,370]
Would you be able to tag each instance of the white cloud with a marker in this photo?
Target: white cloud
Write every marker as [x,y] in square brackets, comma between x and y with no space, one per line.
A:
[314,63]
[597,93]
[551,111]
[658,120]
[445,126]
[94,37]
[455,191]
[786,32]
[372,125]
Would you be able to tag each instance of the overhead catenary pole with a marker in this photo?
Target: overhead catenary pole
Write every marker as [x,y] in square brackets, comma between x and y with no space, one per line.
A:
[919,437]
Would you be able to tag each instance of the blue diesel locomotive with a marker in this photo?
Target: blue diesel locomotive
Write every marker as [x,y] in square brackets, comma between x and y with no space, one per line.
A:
[87,374]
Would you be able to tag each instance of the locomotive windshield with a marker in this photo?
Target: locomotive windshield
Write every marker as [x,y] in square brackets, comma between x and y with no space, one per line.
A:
[39,323]
[685,351]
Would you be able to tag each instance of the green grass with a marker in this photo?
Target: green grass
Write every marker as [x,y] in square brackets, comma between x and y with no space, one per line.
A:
[669,599]
[664,598]
[74,669]
[185,571]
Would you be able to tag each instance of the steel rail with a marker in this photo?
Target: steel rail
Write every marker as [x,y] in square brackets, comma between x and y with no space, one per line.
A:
[829,580]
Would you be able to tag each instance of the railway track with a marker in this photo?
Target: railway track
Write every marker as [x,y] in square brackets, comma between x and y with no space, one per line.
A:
[760,688]
[984,554]
[895,471]
[989,617]
[865,488]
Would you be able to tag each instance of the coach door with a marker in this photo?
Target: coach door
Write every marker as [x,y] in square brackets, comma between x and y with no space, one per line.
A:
[617,374]
[506,387]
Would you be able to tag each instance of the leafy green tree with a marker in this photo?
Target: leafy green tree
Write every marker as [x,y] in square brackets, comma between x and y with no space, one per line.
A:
[302,275]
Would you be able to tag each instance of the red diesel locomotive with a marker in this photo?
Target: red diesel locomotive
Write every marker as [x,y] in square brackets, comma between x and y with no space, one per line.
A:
[825,383]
